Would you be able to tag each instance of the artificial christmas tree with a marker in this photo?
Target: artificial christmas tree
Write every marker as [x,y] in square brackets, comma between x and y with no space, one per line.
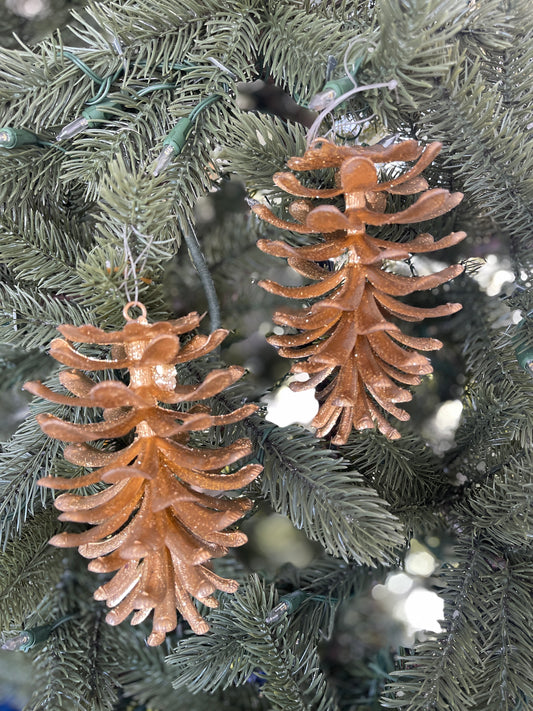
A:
[142,199]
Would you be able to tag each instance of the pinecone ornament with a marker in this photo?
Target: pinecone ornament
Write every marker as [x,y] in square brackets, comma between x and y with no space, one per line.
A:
[162,516]
[355,355]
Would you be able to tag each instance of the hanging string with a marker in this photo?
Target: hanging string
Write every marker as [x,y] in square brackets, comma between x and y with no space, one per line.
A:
[134,267]
[129,258]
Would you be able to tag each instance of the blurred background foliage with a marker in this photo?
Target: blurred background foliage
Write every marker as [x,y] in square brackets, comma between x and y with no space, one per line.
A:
[33,20]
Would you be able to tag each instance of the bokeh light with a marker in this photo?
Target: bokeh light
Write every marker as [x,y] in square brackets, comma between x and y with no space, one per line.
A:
[286,407]
[27,8]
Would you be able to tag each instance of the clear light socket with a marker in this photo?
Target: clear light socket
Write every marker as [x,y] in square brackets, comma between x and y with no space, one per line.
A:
[72,129]
[322,99]
[165,158]
[276,613]
[16,644]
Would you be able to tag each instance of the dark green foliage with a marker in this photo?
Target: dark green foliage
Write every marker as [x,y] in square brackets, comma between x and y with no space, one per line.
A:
[149,680]
[502,508]
[316,489]
[329,582]
[406,473]
[29,568]
[247,645]
[266,143]
[282,58]
[26,250]
[445,93]
[74,216]
[30,28]
[27,456]
[329,502]
[486,597]
[19,365]
[37,315]
[78,665]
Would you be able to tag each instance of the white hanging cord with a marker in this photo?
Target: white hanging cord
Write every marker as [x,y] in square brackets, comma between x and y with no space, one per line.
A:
[132,266]
[129,261]
[313,131]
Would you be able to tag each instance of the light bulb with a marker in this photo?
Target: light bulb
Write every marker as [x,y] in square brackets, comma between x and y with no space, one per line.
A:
[72,129]
[16,137]
[322,99]
[164,159]
[174,143]
[18,643]
[90,117]
[331,91]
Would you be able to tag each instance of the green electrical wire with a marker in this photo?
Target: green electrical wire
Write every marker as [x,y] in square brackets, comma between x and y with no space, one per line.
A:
[105,83]
[203,105]
[11,138]
[177,137]
[201,267]
[84,67]
[154,87]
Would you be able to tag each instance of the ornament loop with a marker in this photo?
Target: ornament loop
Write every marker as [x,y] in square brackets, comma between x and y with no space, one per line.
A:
[132,304]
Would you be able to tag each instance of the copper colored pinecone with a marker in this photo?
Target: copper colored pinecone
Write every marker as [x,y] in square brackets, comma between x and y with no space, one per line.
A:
[355,354]
[161,517]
